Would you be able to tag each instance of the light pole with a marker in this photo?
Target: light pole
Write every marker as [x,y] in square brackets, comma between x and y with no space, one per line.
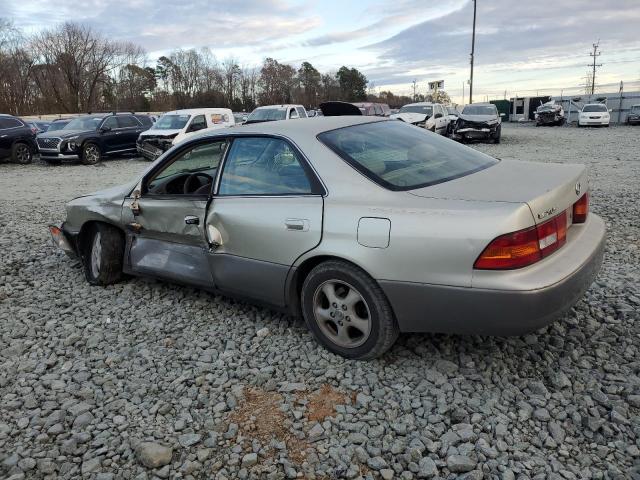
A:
[473,48]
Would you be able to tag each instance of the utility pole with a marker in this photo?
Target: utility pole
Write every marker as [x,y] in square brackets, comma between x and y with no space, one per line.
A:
[414,89]
[473,49]
[595,55]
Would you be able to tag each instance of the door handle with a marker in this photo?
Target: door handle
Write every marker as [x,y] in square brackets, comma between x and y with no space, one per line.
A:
[297,224]
[191,220]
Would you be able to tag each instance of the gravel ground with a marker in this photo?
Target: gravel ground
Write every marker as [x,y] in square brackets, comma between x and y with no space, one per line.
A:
[149,380]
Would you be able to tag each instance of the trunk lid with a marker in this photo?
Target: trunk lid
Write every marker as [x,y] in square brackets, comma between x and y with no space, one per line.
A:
[547,188]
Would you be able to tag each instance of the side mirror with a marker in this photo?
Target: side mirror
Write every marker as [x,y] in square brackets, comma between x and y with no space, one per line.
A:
[438,115]
[105,129]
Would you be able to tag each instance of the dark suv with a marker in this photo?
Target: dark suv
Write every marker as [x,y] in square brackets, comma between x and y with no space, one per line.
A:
[90,137]
[17,139]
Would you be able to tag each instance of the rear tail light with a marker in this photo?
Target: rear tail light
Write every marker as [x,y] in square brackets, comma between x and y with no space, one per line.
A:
[581,209]
[524,247]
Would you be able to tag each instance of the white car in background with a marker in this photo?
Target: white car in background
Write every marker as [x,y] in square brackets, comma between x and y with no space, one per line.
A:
[594,114]
[270,113]
[178,125]
[432,116]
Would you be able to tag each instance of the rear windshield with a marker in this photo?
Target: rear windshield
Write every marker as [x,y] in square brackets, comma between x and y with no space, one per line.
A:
[424,109]
[267,114]
[172,122]
[594,108]
[399,156]
[479,110]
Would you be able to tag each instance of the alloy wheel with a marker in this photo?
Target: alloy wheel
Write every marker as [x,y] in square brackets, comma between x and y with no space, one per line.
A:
[342,313]
[96,255]
[23,154]
[91,154]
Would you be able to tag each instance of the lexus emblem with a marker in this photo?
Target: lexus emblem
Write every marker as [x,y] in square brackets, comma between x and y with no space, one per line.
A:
[578,187]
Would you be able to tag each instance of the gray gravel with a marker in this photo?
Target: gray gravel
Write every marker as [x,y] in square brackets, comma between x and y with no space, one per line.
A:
[148,380]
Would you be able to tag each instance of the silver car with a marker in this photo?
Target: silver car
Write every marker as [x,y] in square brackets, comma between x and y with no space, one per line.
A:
[366,227]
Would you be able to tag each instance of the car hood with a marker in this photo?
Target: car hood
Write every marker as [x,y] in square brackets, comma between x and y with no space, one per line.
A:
[410,117]
[546,187]
[111,193]
[63,133]
[153,132]
[478,118]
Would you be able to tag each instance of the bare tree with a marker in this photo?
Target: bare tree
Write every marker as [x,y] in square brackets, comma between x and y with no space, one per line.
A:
[16,64]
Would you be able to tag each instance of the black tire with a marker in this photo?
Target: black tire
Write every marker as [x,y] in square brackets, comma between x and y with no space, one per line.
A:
[21,153]
[90,154]
[383,326]
[108,269]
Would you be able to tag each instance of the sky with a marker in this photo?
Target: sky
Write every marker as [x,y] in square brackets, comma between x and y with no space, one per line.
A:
[522,47]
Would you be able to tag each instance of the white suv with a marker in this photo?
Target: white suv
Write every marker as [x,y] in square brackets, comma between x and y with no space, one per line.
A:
[270,113]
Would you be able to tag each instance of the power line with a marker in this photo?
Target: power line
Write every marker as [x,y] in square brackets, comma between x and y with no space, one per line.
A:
[473,48]
[595,54]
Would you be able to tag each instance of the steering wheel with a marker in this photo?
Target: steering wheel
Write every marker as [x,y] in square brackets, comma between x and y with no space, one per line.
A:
[190,183]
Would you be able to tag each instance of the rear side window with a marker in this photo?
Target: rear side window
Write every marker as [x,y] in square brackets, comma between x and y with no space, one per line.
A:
[10,123]
[127,121]
[398,156]
[263,166]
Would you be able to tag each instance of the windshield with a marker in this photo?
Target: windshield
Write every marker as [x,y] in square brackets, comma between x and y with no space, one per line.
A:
[267,114]
[635,109]
[399,156]
[171,122]
[83,123]
[424,109]
[594,108]
[57,126]
[479,110]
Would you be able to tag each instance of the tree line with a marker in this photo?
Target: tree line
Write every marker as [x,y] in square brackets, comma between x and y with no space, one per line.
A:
[72,68]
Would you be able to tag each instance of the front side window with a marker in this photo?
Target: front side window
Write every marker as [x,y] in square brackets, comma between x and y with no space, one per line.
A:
[263,166]
[198,123]
[301,112]
[398,156]
[293,113]
[127,121]
[191,172]
[111,122]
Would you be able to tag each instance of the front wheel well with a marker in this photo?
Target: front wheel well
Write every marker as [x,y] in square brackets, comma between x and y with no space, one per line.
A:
[294,288]
[86,231]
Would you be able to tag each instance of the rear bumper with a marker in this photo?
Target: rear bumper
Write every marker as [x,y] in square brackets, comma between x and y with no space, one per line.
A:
[540,294]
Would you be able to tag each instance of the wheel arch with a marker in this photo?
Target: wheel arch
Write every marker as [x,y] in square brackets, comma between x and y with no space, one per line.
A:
[298,274]
[83,238]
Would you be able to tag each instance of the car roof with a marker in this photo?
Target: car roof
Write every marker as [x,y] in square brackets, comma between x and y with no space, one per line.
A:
[190,111]
[284,105]
[421,104]
[302,127]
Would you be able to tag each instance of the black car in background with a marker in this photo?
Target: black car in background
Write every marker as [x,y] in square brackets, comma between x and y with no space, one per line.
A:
[89,138]
[58,124]
[478,121]
[40,126]
[17,139]
[634,115]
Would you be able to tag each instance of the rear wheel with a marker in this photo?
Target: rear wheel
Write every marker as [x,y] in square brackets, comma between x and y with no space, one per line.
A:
[103,255]
[91,154]
[347,312]
[21,153]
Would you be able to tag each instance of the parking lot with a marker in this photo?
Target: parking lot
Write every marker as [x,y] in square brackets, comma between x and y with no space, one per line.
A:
[145,379]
